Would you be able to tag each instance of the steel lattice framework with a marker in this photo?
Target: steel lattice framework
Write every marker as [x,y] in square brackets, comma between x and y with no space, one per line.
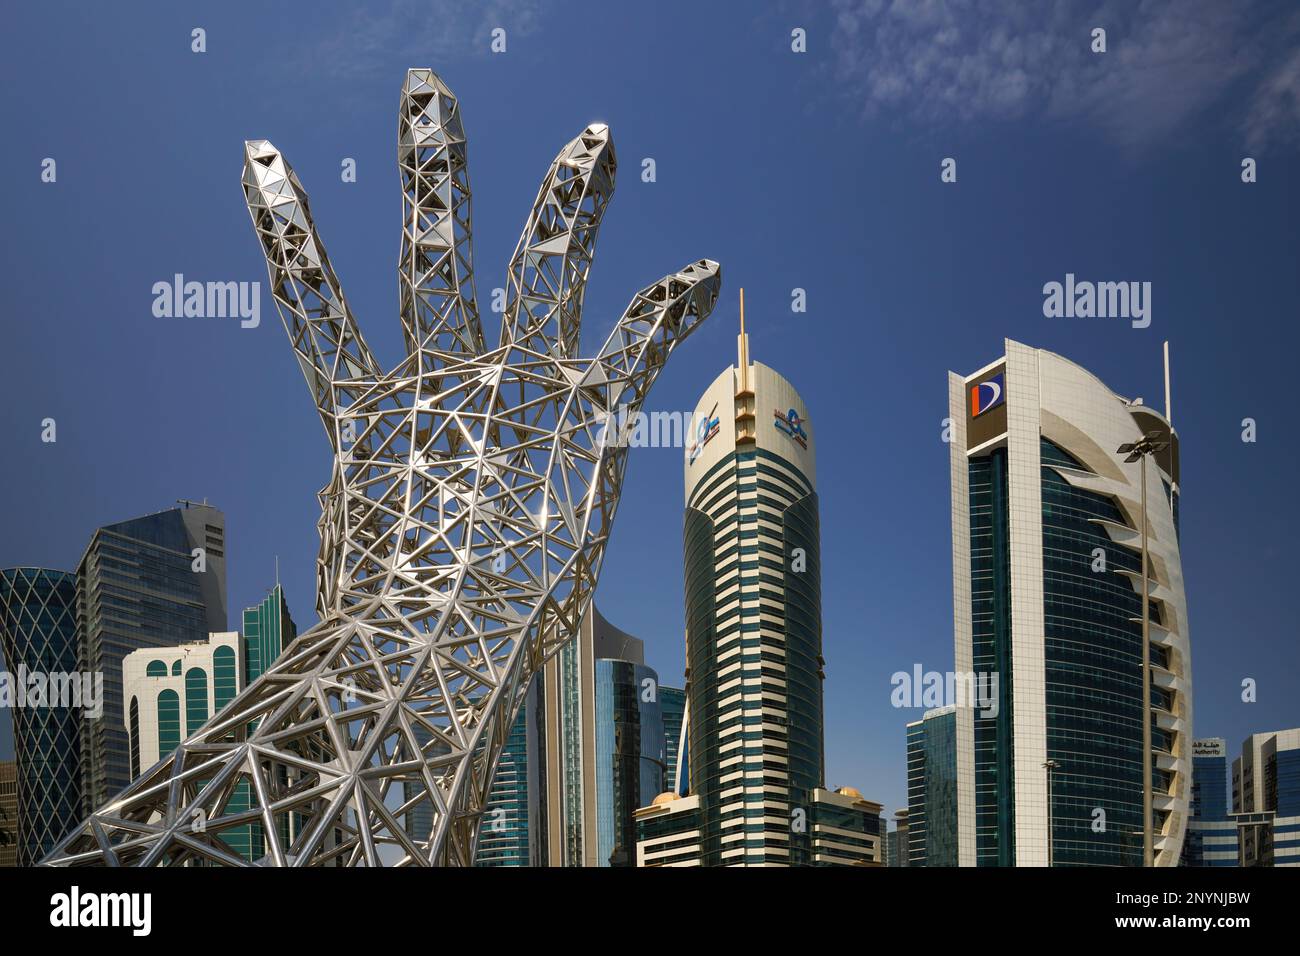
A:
[462,531]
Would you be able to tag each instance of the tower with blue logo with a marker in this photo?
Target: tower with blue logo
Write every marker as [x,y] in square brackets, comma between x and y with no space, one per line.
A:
[752,555]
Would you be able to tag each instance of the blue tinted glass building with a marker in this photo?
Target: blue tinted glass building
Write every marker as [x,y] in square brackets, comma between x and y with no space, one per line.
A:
[932,789]
[606,745]
[1211,830]
[512,830]
[672,702]
[630,754]
[154,581]
[38,632]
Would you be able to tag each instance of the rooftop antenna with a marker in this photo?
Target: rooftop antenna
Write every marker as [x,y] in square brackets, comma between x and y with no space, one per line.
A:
[1169,414]
[277,570]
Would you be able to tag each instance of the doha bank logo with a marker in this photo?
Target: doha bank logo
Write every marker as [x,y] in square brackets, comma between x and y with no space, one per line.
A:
[704,433]
[791,424]
[987,394]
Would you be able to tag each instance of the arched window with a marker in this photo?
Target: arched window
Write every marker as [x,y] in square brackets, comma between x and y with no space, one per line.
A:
[176,668]
[224,677]
[196,699]
[169,722]
[156,669]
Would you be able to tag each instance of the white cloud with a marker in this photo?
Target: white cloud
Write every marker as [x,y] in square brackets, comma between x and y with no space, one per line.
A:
[1275,110]
[414,32]
[945,61]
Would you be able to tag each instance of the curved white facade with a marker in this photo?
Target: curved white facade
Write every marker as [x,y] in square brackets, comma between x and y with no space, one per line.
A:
[1069,529]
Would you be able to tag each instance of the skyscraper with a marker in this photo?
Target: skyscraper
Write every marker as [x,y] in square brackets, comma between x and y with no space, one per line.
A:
[1211,830]
[1047,582]
[38,632]
[154,581]
[753,643]
[512,830]
[268,630]
[1266,798]
[604,745]
[932,788]
[630,754]
[753,614]
[672,702]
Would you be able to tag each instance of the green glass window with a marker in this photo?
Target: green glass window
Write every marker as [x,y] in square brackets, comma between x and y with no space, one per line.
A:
[224,677]
[169,722]
[196,699]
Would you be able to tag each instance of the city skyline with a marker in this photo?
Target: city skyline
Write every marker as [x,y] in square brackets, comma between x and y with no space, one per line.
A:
[906,277]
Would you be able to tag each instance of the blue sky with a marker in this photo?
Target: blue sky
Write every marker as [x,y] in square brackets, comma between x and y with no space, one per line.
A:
[817,171]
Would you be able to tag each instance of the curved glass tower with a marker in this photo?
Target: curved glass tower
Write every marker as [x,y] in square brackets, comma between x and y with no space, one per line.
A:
[38,632]
[629,754]
[1047,583]
[750,787]
[753,618]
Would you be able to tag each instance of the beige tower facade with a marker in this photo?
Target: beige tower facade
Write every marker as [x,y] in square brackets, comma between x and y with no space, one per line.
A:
[754,676]
[1047,583]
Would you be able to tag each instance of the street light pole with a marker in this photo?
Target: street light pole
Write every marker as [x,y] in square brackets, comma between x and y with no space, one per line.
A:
[1148,838]
[1151,442]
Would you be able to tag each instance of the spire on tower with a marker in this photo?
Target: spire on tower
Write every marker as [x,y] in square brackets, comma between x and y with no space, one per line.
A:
[745,423]
[742,348]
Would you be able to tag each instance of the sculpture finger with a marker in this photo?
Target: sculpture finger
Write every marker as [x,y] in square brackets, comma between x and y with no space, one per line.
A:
[321,329]
[548,272]
[659,317]
[435,268]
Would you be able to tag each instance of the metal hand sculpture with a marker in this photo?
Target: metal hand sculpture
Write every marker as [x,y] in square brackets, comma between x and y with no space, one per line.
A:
[462,530]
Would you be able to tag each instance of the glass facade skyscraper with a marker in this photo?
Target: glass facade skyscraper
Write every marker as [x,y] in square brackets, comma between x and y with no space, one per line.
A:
[753,617]
[672,702]
[754,676]
[1046,523]
[605,748]
[512,829]
[139,584]
[268,630]
[932,789]
[1211,830]
[38,632]
[630,754]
